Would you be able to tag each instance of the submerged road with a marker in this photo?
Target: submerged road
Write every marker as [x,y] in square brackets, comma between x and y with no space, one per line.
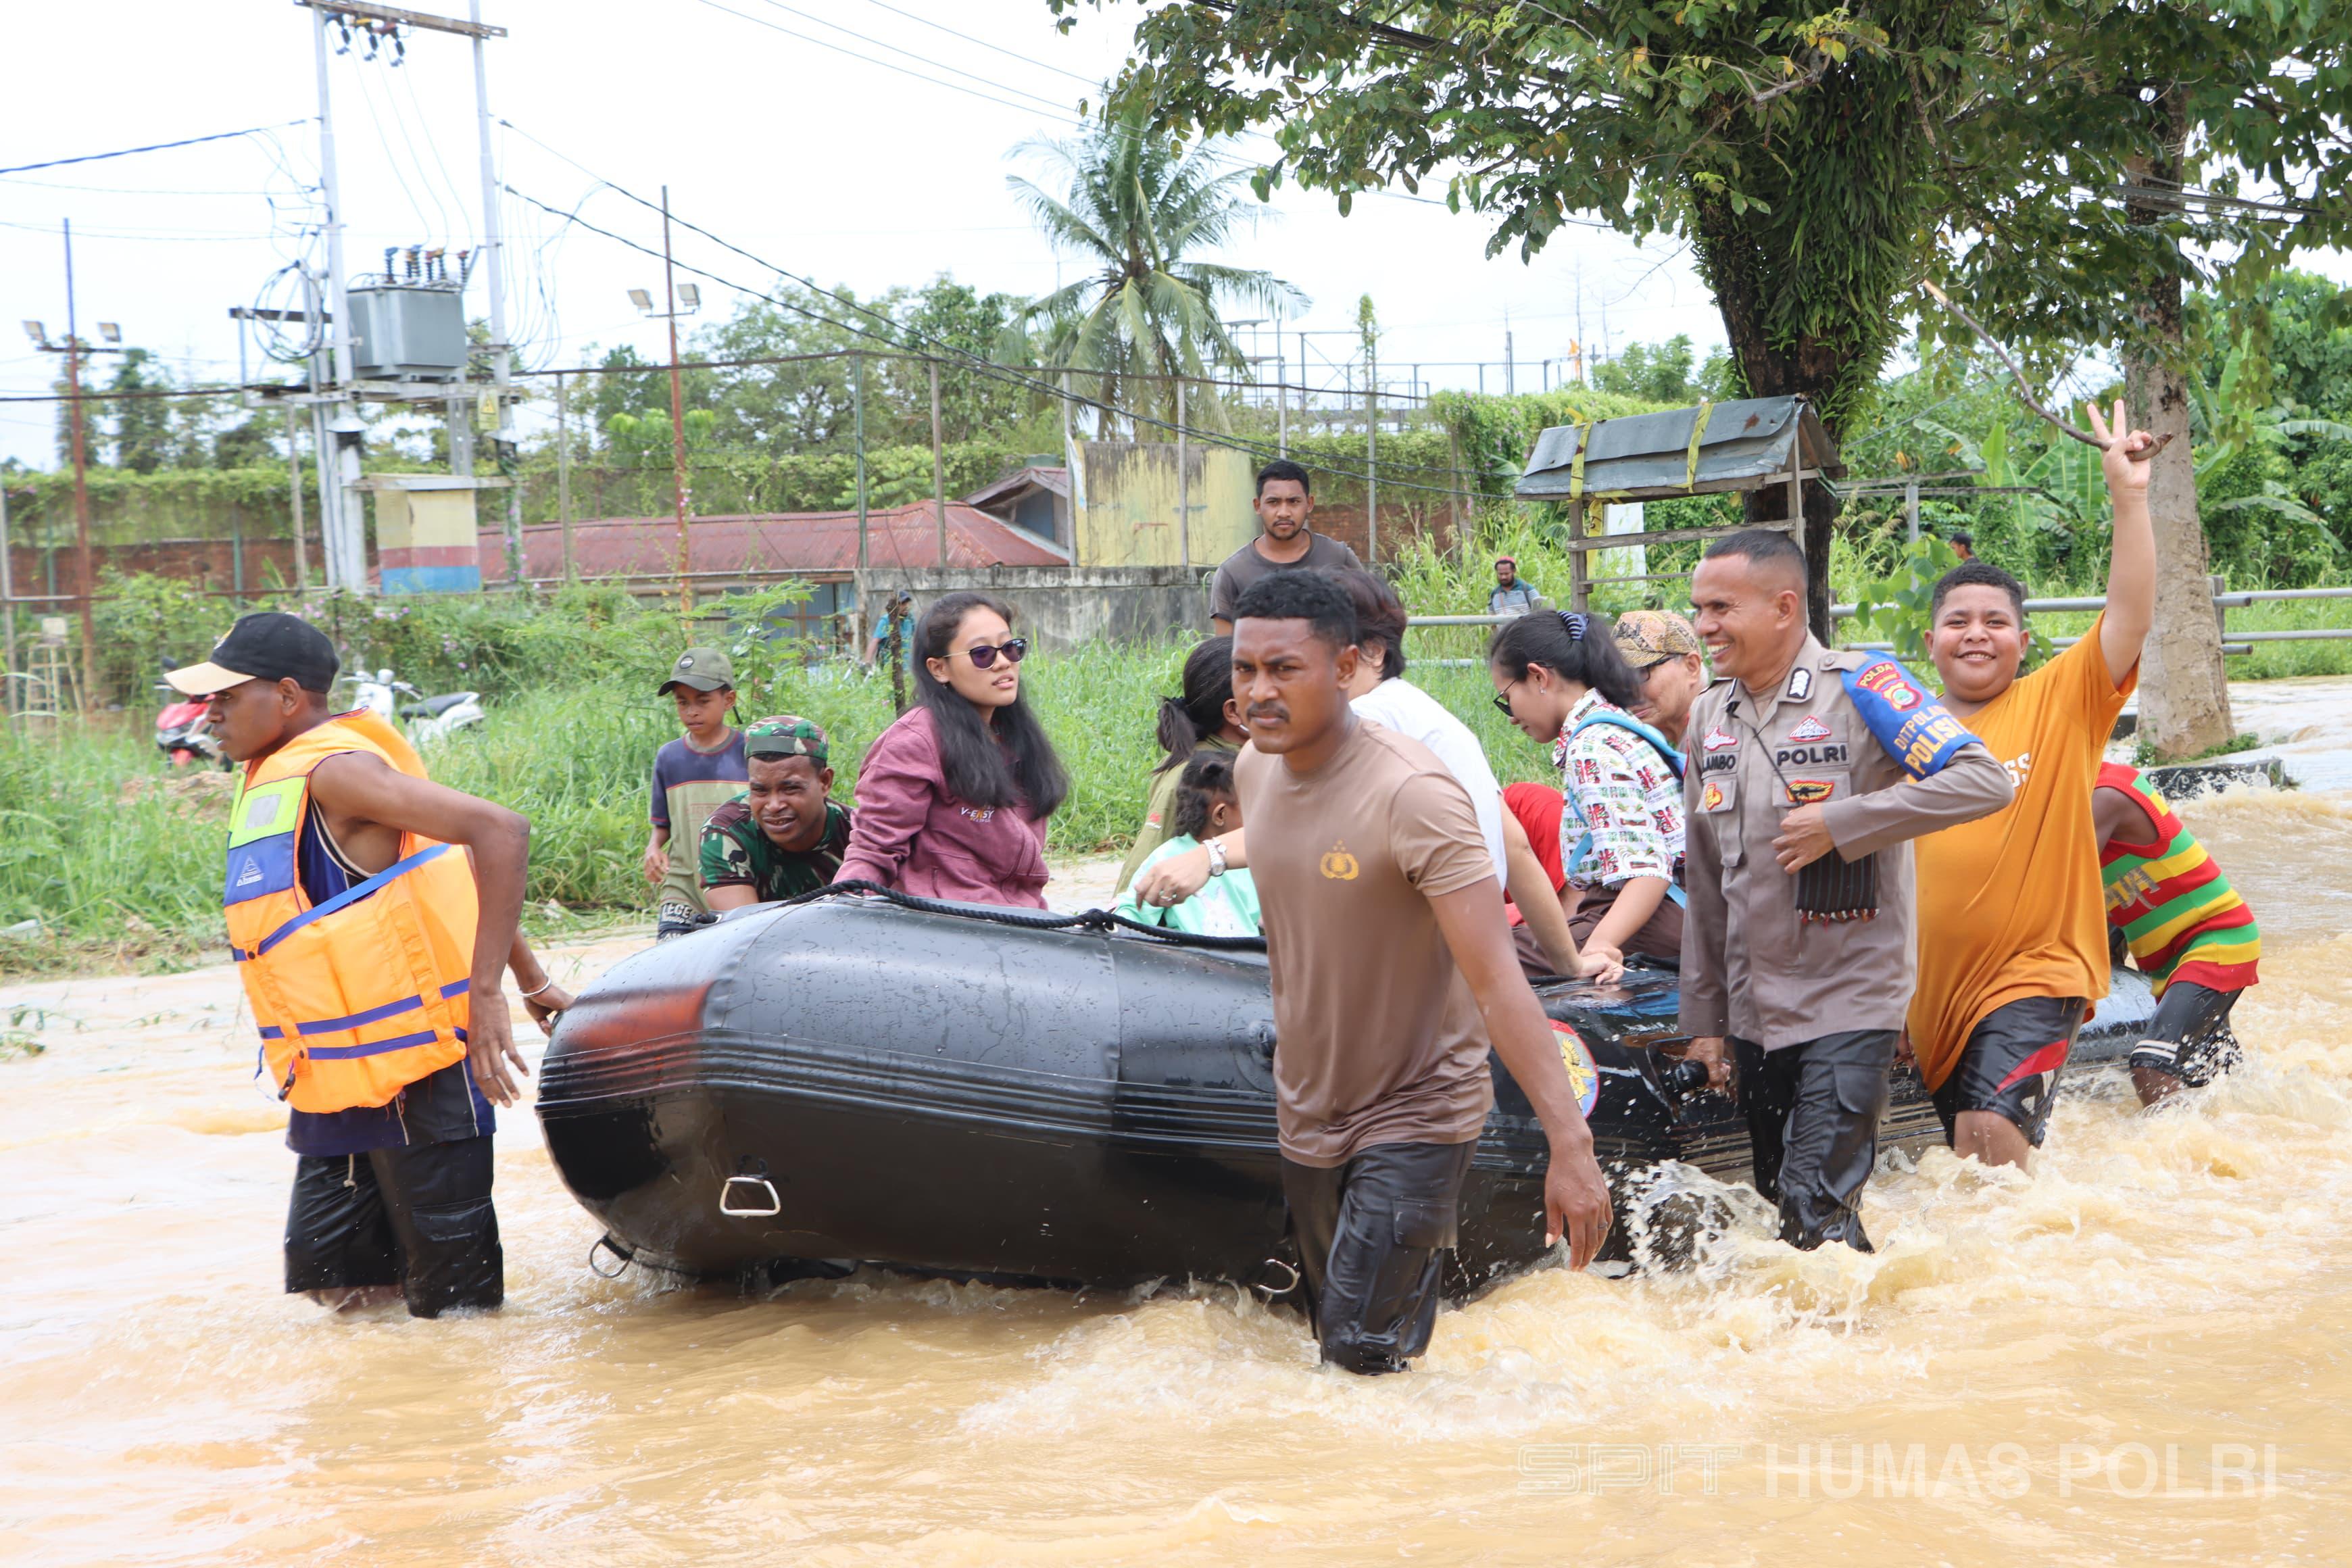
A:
[2136,1354]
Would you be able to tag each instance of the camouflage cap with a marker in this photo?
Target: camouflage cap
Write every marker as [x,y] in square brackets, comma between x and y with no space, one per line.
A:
[1652,636]
[787,735]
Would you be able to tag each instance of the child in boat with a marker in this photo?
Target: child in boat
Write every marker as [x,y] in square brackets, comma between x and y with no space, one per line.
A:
[2189,930]
[1205,807]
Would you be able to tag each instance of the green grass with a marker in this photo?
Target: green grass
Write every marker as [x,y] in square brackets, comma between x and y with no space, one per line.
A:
[119,858]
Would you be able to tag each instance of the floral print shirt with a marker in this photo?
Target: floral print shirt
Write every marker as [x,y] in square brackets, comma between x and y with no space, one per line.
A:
[1621,791]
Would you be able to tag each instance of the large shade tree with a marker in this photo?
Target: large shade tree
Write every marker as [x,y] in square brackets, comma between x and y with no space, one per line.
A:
[1786,145]
[2108,157]
[1817,159]
[1139,208]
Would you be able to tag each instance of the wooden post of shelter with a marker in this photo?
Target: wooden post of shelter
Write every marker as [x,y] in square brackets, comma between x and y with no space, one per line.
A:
[1751,444]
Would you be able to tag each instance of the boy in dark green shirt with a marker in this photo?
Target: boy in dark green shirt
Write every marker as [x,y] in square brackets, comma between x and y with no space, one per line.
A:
[784,835]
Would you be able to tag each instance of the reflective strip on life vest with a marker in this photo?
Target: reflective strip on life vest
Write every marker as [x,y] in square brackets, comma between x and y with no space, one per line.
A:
[372,1049]
[350,895]
[373,1015]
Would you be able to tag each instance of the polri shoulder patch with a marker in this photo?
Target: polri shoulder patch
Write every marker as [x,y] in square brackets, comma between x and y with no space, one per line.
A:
[1908,725]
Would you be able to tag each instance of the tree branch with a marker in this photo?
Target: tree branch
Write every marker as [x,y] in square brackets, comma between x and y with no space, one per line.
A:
[2024,389]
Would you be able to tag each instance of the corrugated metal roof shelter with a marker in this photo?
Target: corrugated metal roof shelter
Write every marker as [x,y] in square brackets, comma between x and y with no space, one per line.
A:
[1750,443]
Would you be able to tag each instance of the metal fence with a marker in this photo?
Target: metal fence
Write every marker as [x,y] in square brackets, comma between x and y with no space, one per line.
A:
[2224,601]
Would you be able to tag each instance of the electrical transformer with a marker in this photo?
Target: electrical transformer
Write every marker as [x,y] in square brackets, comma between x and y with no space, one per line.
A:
[408,332]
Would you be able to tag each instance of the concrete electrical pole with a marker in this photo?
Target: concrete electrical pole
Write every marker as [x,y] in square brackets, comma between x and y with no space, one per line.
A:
[342,531]
[73,348]
[494,252]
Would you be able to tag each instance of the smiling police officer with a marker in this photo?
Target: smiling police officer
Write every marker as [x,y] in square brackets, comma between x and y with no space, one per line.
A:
[1812,770]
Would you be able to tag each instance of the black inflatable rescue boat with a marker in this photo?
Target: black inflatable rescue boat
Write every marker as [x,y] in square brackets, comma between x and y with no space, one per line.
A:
[1005,1093]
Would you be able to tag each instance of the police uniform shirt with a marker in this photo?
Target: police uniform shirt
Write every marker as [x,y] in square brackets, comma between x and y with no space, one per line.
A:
[1856,734]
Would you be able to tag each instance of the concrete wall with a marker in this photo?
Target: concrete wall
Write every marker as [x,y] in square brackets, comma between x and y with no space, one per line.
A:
[1057,607]
[1126,495]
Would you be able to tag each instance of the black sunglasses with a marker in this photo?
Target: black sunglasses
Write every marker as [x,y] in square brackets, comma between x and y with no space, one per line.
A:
[1503,703]
[984,657]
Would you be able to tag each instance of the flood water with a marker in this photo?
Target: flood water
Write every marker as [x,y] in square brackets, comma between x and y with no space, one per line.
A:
[2137,1354]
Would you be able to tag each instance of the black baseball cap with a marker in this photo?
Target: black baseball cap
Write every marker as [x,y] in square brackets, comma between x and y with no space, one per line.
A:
[266,646]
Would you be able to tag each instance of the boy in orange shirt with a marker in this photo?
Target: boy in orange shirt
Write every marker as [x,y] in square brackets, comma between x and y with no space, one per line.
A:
[2013,921]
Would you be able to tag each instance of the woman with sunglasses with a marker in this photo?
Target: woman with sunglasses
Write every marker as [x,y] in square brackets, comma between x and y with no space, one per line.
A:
[952,798]
[1561,680]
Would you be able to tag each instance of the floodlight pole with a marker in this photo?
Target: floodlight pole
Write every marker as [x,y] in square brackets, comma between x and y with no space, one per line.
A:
[676,419]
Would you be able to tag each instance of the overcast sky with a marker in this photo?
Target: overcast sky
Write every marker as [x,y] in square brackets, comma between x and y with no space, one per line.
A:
[844,169]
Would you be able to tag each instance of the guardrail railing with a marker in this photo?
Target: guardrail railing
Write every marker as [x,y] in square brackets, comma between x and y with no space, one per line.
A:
[2224,601]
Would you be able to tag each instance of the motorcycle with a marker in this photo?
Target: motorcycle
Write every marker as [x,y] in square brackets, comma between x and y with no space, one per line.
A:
[180,732]
[427,718]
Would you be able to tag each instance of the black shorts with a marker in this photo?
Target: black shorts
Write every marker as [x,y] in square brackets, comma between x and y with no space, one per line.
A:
[2012,1063]
[1372,1234]
[2189,1036]
[418,1217]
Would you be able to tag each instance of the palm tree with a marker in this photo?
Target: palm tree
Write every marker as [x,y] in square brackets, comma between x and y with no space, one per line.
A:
[1137,204]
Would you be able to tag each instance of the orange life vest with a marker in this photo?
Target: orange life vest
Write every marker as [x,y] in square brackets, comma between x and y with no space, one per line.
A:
[362,996]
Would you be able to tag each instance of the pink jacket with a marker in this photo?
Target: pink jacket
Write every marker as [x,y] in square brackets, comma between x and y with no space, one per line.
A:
[910,834]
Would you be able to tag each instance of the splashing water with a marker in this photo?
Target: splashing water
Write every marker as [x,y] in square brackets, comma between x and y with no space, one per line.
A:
[2136,1352]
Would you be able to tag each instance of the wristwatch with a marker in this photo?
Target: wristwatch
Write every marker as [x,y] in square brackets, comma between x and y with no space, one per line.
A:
[1216,857]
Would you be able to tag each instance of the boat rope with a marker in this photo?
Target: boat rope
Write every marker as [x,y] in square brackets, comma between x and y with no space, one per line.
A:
[1102,920]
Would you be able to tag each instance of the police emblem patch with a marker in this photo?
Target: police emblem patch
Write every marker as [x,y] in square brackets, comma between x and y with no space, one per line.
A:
[1886,677]
[1812,728]
[1720,740]
[1810,792]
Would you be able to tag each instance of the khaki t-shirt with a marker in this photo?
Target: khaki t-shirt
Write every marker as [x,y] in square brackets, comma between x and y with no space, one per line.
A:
[1378,1038]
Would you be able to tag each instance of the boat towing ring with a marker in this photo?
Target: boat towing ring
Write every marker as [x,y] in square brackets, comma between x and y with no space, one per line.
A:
[607,1243]
[1275,1292]
[775,1204]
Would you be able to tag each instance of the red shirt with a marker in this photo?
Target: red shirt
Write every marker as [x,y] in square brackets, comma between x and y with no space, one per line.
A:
[1539,808]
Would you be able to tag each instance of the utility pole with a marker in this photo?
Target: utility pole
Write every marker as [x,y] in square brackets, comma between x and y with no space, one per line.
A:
[73,348]
[1183,486]
[676,419]
[294,503]
[857,435]
[1510,366]
[494,253]
[340,527]
[1371,451]
[939,466]
[563,476]
[87,572]
[7,612]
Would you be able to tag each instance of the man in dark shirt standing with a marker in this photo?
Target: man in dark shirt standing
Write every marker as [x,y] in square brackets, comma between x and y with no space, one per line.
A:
[1284,500]
[784,834]
[1393,972]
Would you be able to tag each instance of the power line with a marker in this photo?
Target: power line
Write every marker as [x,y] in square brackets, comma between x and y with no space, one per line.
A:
[983,43]
[897,334]
[152,147]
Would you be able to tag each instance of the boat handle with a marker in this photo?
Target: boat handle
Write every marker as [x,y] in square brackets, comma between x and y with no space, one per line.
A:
[775,1204]
[1273,1291]
[607,1243]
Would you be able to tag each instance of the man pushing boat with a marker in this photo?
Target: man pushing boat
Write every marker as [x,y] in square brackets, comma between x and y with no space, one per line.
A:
[1392,969]
[371,914]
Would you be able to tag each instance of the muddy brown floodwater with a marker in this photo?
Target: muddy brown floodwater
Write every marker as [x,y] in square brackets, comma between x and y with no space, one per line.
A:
[2139,1354]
